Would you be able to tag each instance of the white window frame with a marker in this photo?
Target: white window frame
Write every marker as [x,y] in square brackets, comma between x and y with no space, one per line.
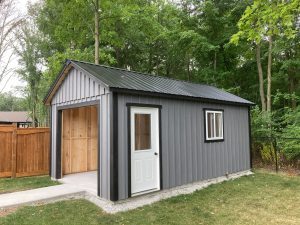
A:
[214,112]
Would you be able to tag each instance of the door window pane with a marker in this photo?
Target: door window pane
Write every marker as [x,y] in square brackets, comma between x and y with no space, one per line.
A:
[142,131]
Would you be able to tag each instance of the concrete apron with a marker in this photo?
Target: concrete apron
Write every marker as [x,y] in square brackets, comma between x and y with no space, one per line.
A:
[39,196]
[86,181]
[68,191]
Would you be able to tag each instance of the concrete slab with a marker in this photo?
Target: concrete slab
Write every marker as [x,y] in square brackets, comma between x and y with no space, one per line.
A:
[40,195]
[86,181]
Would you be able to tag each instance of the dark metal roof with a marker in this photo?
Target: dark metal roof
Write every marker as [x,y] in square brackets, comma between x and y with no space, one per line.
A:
[123,79]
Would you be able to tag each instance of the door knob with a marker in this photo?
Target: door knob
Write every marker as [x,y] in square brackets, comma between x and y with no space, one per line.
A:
[155,153]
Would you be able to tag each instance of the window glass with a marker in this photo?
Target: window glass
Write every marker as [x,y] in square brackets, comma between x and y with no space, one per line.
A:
[214,125]
[142,131]
[210,125]
[218,119]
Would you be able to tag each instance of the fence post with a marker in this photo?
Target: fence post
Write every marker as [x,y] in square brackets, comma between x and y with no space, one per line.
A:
[14,151]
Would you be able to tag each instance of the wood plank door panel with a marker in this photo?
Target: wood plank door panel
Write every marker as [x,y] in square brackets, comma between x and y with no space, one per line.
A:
[66,154]
[79,139]
[78,155]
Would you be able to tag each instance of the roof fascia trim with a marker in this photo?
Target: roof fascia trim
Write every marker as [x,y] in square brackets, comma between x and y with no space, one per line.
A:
[54,85]
[182,97]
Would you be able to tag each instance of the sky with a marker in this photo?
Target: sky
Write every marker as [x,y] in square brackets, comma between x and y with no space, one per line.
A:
[10,83]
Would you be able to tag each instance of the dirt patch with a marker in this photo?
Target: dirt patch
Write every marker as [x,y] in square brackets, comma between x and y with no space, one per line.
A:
[5,212]
[291,171]
[287,170]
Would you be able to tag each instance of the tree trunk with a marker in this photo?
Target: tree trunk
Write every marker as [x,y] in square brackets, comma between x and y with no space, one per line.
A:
[261,79]
[35,102]
[97,38]
[292,91]
[269,100]
[34,115]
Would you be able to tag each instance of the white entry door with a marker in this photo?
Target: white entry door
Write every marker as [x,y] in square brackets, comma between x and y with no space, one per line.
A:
[145,171]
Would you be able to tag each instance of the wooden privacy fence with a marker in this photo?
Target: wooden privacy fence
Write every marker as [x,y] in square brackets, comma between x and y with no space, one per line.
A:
[24,151]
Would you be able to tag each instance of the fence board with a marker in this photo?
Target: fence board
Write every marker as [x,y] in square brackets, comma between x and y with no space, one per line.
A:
[32,130]
[6,140]
[24,151]
[14,152]
[6,129]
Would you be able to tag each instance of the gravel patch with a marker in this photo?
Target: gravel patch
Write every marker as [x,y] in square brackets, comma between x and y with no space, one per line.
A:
[146,199]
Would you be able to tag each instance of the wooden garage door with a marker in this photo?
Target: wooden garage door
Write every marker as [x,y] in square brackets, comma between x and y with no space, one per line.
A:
[79,139]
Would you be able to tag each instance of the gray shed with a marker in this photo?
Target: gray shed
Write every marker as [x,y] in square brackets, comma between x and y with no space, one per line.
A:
[141,133]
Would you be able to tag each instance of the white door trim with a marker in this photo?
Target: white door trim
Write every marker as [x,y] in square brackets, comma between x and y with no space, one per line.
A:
[148,160]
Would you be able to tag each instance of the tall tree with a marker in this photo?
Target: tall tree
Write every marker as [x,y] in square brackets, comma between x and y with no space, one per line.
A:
[31,71]
[96,32]
[265,20]
[260,77]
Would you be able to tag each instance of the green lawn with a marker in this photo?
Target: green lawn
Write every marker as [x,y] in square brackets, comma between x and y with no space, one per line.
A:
[8,185]
[258,199]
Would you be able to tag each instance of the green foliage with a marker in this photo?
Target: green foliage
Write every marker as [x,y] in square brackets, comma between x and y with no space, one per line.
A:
[267,152]
[290,138]
[9,102]
[268,18]
[31,72]
[282,126]
[261,123]
[155,37]
[290,144]
[188,40]
[56,61]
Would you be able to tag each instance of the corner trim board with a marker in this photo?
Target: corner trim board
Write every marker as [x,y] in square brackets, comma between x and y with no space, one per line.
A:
[50,151]
[98,146]
[129,150]
[114,159]
[250,139]
[58,144]
[160,148]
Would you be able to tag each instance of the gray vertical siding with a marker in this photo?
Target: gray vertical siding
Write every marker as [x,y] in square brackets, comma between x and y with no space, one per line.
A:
[79,88]
[186,157]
